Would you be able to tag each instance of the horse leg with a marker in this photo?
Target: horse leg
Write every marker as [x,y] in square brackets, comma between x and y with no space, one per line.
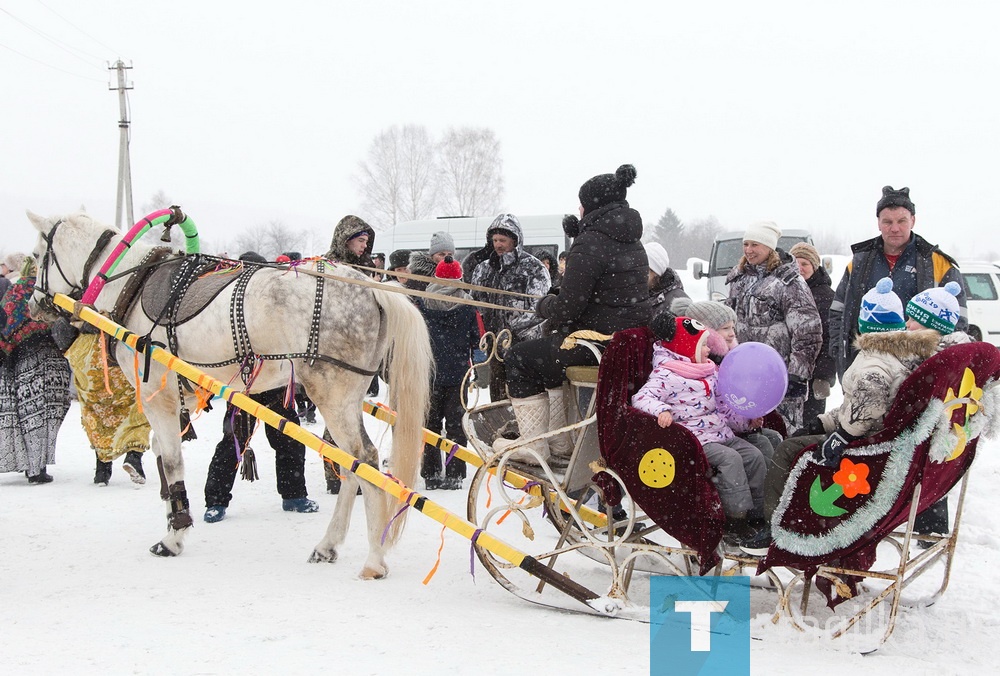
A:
[162,413]
[340,407]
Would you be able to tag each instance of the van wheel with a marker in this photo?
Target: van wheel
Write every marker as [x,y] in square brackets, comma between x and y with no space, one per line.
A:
[975,333]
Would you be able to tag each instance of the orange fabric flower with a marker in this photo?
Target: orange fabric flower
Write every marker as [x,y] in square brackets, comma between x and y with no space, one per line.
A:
[853,478]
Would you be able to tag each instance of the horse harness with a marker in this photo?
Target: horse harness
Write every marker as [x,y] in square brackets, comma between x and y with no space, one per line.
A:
[177,291]
[49,257]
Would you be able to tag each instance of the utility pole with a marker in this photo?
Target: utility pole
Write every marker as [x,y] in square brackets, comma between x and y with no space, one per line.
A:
[124,166]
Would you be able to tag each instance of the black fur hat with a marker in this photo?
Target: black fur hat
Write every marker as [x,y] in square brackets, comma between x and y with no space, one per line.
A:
[664,325]
[606,188]
[399,258]
[252,257]
[895,198]
[571,225]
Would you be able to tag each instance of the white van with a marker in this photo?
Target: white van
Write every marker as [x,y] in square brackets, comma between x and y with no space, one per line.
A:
[540,232]
[982,296]
[726,251]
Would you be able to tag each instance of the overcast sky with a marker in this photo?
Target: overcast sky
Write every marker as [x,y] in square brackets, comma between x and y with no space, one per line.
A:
[247,112]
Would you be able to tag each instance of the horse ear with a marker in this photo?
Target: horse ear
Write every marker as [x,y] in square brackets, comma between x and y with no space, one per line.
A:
[41,224]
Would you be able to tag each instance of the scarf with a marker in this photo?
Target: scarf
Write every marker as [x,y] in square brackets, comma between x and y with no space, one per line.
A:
[689,370]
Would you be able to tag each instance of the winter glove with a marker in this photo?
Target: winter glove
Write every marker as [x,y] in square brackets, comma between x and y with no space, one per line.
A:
[28,268]
[820,388]
[545,306]
[796,388]
[63,333]
[571,226]
[811,427]
[829,452]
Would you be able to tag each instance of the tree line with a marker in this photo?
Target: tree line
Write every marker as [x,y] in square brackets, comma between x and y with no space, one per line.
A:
[408,174]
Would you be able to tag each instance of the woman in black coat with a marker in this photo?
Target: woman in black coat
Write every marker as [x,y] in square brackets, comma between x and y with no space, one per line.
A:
[604,289]
[819,283]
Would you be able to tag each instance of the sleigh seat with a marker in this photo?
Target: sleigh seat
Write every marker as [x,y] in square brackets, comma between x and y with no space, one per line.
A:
[843,526]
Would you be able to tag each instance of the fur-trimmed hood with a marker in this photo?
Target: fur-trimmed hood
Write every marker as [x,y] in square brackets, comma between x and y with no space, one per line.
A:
[900,344]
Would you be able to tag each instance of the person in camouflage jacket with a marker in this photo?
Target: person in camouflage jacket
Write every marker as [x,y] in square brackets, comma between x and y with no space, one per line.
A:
[774,306]
[351,227]
[514,270]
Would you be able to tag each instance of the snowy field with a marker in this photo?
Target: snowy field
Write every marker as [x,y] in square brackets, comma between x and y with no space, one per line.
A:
[81,593]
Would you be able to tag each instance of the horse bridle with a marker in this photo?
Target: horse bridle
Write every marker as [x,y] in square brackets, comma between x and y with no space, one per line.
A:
[49,257]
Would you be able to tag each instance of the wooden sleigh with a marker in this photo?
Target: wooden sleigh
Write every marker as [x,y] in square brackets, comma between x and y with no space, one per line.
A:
[673,524]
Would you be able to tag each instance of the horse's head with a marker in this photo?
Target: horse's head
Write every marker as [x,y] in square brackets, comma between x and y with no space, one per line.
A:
[63,253]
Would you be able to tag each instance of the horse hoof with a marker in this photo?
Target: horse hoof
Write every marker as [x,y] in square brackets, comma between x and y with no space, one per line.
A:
[369,573]
[319,557]
[160,549]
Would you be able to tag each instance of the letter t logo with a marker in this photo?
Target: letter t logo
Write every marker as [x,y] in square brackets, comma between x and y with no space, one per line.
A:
[701,621]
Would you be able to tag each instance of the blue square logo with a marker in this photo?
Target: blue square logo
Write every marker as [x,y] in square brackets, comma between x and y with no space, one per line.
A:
[699,625]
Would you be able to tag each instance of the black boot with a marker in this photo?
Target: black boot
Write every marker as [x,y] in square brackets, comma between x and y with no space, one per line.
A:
[40,478]
[102,475]
[133,465]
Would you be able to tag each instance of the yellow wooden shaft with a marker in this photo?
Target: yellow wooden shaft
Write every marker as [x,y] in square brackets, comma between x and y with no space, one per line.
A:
[388,484]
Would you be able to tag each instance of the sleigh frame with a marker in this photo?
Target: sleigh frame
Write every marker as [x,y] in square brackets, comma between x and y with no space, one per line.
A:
[626,545]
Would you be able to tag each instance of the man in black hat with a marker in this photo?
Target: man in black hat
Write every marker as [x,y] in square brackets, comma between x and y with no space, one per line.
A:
[908,259]
[913,264]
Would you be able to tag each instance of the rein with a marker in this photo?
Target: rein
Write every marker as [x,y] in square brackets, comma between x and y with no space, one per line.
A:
[413,292]
[443,282]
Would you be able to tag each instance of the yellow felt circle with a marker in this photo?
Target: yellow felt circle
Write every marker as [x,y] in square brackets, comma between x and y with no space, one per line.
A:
[657,467]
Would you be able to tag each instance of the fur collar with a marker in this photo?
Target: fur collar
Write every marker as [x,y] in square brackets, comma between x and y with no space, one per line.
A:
[900,344]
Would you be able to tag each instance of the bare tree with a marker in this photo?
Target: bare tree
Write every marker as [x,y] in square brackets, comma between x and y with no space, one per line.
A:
[160,200]
[379,178]
[398,180]
[420,173]
[269,240]
[700,234]
[471,172]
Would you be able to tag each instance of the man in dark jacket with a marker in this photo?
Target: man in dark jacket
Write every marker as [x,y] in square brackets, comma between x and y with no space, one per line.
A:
[908,259]
[604,289]
[913,264]
[824,374]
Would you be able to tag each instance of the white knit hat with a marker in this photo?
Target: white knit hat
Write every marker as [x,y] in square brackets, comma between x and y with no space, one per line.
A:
[659,261]
[881,309]
[936,308]
[765,232]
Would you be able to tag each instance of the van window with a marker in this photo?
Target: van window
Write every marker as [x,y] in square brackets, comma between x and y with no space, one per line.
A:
[727,255]
[979,286]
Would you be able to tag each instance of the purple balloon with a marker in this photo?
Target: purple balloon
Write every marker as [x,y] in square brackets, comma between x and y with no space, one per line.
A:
[752,379]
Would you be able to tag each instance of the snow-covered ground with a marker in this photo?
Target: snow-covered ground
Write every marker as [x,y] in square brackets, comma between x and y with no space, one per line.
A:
[81,594]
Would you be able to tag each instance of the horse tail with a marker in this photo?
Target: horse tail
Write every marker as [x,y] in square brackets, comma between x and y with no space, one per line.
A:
[410,364]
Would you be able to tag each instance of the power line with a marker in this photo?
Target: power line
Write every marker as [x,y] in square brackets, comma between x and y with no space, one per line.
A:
[49,65]
[72,51]
[113,51]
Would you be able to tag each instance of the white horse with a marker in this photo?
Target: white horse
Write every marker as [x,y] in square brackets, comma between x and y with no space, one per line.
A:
[359,328]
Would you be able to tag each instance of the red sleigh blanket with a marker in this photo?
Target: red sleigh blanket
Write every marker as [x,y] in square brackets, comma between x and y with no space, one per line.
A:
[663,469]
[837,516]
